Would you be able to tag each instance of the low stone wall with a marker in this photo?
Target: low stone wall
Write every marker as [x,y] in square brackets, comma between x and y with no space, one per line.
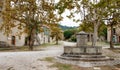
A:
[83,50]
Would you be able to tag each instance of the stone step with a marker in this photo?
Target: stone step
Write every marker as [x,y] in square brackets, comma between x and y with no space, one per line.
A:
[82,53]
[85,56]
[85,59]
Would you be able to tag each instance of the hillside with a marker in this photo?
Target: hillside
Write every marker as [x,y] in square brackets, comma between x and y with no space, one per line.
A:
[66,27]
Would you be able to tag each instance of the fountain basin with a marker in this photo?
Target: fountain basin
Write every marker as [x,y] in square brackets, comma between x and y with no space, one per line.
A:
[84,53]
[82,50]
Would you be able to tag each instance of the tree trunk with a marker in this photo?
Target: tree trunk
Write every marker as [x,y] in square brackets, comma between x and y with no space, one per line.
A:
[37,39]
[30,43]
[31,39]
[90,37]
[95,34]
[56,40]
[111,38]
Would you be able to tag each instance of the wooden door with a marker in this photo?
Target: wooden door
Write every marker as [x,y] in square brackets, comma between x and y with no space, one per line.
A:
[13,40]
[119,39]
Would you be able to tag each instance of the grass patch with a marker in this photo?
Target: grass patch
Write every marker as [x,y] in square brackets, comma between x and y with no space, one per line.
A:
[61,66]
[46,44]
[5,49]
[22,48]
[117,44]
[99,43]
[49,59]
[26,48]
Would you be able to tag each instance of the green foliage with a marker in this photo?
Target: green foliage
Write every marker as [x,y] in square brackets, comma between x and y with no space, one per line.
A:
[62,5]
[102,31]
[68,33]
[86,27]
[27,16]
[56,32]
[93,12]
[73,38]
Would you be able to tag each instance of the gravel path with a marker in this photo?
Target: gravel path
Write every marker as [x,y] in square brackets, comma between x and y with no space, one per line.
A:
[29,60]
[111,54]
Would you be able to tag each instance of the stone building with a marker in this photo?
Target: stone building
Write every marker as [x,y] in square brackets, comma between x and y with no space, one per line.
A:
[116,34]
[14,39]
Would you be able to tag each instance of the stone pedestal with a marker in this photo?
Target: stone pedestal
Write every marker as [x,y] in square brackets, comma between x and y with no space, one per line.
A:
[81,39]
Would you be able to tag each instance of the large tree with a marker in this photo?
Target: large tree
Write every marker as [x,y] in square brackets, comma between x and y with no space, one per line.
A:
[102,30]
[90,11]
[56,32]
[111,15]
[96,14]
[28,16]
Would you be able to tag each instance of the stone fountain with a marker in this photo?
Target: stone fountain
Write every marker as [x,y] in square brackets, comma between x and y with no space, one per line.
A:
[83,52]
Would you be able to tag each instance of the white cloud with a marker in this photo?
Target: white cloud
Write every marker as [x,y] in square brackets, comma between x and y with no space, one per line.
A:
[68,22]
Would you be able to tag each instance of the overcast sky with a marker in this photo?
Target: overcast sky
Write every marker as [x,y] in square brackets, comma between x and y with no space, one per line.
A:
[68,22]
